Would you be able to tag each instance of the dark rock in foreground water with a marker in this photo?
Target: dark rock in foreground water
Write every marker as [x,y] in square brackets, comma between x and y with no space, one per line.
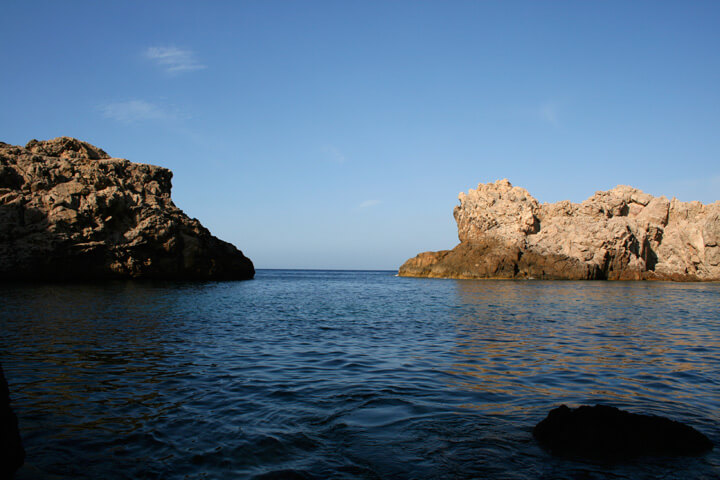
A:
[605,432]
[68,211]
[12,454]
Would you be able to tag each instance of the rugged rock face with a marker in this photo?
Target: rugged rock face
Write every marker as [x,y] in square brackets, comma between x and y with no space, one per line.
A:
[609,433]
[68,211]
[621,234]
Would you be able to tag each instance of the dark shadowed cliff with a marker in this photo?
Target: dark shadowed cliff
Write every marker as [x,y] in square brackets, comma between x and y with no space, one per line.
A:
[12,453]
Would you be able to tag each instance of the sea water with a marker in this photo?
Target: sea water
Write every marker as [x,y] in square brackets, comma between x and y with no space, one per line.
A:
[349,374]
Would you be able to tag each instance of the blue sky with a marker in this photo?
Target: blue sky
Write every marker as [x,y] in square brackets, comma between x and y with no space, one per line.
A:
[338,134]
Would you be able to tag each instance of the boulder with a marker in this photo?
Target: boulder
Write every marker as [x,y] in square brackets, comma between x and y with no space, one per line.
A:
[69,211]
[620,234]
[605,432]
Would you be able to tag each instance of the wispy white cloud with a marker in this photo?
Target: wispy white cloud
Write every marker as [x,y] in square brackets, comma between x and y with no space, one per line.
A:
[548,112]
[132,111]
[551,112]
[369,203]
[333,154]
[173,59]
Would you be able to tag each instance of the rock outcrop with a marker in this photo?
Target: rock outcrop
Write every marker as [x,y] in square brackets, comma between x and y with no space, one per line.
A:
[605,432]
[68,211]
[621,234]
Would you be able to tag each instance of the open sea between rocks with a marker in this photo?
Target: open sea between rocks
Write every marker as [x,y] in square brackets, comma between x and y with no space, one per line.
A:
[339,374]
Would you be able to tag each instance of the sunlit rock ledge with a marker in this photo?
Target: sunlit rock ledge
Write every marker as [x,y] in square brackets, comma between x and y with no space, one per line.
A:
[68,211]
[619,234]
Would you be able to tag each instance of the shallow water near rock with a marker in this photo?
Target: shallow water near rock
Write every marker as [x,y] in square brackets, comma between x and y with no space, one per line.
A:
[329,374]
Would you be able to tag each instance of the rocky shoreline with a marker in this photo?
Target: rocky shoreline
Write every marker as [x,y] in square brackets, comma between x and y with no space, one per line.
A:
[69,211]
[620,234]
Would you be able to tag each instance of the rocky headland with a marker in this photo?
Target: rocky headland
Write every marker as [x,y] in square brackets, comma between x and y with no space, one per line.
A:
[69,211]
[620,234]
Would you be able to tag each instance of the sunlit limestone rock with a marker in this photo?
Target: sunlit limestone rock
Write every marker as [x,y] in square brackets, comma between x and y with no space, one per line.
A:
[621,234]
[70,211]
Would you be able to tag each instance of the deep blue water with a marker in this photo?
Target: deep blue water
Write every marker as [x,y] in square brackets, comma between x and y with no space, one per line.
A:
[326,374]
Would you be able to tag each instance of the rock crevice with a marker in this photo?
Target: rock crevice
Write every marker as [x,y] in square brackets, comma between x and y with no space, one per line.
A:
[69,211]
[619,234]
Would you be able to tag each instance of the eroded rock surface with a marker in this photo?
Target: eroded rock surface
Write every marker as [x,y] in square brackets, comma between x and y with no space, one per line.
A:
[620,234]
[610,433]
[70,211]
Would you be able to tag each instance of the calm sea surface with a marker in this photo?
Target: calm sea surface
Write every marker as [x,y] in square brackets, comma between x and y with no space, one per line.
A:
[327,374]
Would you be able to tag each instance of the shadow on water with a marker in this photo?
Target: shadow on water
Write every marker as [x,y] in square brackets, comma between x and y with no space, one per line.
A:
[93,367]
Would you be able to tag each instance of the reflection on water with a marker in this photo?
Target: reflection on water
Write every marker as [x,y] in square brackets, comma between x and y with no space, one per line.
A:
[622,343]
[303,374]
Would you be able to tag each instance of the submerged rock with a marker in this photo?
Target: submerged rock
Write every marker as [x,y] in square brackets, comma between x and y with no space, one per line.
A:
[621,234]
[609,433]
[12,454]
[68,211]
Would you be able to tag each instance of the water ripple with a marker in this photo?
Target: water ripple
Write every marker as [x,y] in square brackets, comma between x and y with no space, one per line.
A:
[314,375]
